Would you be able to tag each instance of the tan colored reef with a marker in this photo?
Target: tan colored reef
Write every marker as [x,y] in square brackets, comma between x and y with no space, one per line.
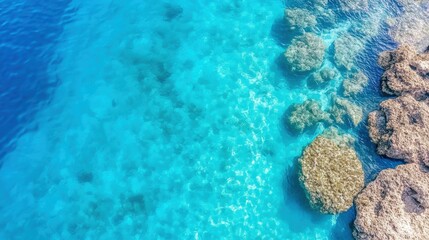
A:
[395,205]
[406,72]
[401,129]
[331,173]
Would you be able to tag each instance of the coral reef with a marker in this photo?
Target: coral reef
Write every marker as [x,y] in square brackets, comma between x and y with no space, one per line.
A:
[358,5]
[355,83]
[401,129]
[305,115]
[300,19]
[347,48]
[406,71]
[344,110]
[305,53]
[323,76]
[331,173]
[395,205]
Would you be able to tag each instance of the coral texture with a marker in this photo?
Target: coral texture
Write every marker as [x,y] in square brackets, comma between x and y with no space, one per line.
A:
[401,129]
[305,53]
[331,173]
[347,48]
[300,19]
[355,84]
[344,110]
[395,205]
[306,115]
[323,76]
[406,71]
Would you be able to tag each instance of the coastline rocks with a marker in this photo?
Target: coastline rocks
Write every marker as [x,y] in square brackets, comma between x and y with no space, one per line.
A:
[401,129]
[306,115]
[355,84]
[305,53]
[395,205]
[331,173]
[344,110]
[406,72]
[300,19]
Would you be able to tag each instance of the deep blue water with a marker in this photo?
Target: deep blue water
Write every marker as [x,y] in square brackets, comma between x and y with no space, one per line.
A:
[29,31]
[165,120]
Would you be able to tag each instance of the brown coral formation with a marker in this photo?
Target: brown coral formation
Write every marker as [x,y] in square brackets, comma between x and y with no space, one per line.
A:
[406,71]
[401,129]
[395,205]
[331,173]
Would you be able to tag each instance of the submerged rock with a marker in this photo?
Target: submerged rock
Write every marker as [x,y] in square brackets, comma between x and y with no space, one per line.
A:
[331,173]
[347,48]
[401,129]
[306,53]
[355,84]
[406,71]
[411,27]
[323,76]
[395,205]
[356,5]
[344,110]
[300,19]
[306,115]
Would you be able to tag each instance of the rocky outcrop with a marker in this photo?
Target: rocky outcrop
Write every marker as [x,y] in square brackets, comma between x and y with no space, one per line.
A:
[306,115]
[406,72]
[305,53]
[331,173]
[401,129]
[395,205]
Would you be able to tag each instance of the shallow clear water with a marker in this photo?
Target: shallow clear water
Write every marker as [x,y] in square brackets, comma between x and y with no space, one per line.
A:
[166,121]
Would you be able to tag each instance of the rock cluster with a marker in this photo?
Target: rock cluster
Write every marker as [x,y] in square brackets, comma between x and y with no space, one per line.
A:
[395,205]
[331,173]
[406,72]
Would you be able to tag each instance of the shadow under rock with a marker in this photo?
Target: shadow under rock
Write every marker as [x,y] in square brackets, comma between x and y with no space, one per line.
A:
[281,33]
[297,212]
[290,131]
[344,225]
[294,80]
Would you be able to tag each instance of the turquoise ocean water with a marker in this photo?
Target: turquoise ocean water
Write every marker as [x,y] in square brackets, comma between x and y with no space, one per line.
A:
[167,122]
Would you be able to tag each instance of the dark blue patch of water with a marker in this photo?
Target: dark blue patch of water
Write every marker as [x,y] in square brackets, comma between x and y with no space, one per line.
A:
[29,31]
